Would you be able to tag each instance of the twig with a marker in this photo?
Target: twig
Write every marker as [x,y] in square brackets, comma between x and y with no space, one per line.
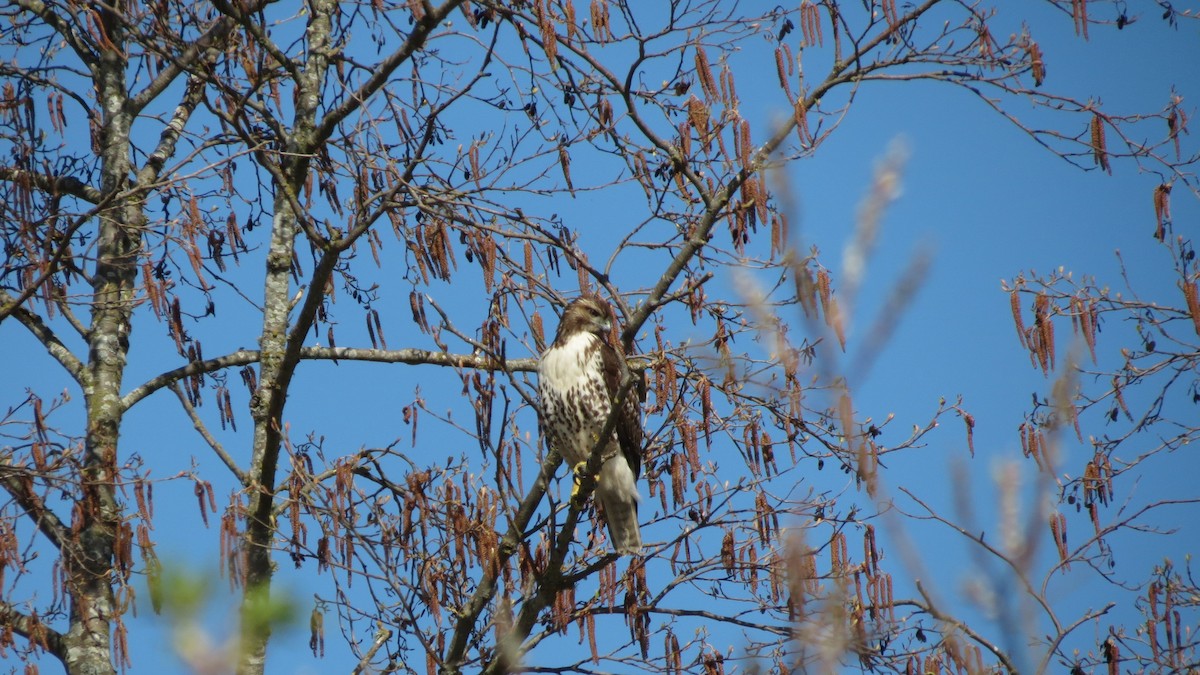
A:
[213,443]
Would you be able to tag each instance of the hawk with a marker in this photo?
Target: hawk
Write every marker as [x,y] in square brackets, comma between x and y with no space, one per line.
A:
[578,377]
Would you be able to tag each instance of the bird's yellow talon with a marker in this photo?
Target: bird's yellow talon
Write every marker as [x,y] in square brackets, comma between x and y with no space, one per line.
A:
[578,472]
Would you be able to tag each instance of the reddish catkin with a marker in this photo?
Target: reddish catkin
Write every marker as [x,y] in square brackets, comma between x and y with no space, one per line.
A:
[1162,210]
[417,246]
[1152,622]
[1192,295]
[673,656]
[768,454]
[1037,64]
[233,234]
[838,556]
[1168,603]
[778,235]
[762,519]
[685,138]
[564,161]
[549,39]
[529,277]
[373,316]
[987,45]
[416,302]
[688,434]
[728,89]
[581,269]
[800,113]
[750,200]
[590,625]
[1074,411]
[752,569]
[1087,326]
[569,20]
[1036,447]
[1046,333]
[539,334]
[1173,125]
[870,553]
[781,70]
[154,293]
[747,149]
[823,290]
[1118,394]
[833,319]
[600,21]
[1106,479]
[810,23]
[1058,529]
[699,116]
[1090,480]
[708,83]
[678,480]
[722,150]
[750,436]
[376,245]
[604,114]
[760,202]
[143,492]
[969,420]
[473,158]
[889,11]
[1079,14]
[1099,147]
[1044,451]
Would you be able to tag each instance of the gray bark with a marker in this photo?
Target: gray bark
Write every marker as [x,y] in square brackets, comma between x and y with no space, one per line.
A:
[281,340]
[88,561]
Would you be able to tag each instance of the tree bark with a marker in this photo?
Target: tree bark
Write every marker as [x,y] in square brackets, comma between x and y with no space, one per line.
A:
[275,368]
[281,342]
[88,560]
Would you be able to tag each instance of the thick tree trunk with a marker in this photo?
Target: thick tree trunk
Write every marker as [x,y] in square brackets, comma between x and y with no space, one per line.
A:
[278,363]
[88,561]
[267,409]
[281,340]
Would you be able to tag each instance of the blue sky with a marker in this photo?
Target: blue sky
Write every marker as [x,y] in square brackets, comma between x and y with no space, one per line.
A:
[992,204]
[987,201]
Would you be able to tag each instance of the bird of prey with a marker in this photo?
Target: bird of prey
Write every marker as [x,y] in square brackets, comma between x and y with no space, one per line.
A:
[579,375]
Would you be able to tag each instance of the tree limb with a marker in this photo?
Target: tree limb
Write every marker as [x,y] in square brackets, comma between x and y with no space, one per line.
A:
[967,630]
[33,630]
[62,185]
[10,306]
[193,52]
[48,523]
[410,356]
[63,27]
[213,443]
[383,72]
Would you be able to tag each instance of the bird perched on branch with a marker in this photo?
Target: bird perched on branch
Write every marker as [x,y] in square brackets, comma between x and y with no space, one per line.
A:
[579,376]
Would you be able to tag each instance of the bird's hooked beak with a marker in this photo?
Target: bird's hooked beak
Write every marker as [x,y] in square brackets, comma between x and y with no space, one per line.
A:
[606,326]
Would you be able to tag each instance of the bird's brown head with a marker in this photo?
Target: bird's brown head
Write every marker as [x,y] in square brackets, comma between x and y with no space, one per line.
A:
[586,314]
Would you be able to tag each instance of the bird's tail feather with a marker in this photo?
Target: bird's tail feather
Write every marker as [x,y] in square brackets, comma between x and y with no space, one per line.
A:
[623,531]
